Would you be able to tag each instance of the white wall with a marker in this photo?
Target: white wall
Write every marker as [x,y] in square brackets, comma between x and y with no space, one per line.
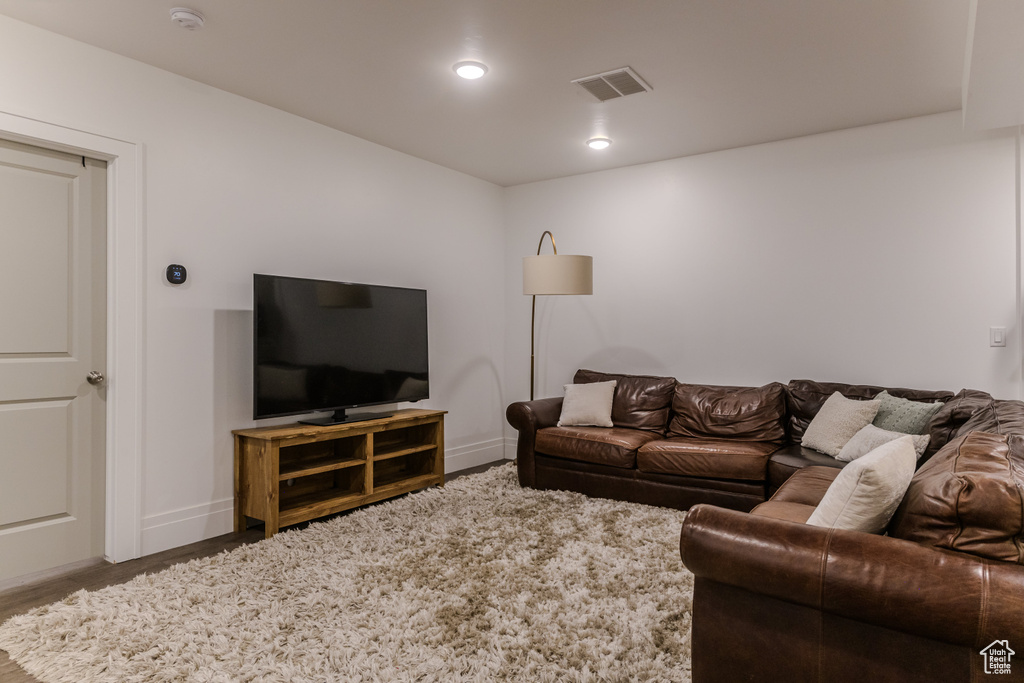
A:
[233,187]
[878,255]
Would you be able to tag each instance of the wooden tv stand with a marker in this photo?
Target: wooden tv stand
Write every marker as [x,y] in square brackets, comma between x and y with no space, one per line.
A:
[293,473]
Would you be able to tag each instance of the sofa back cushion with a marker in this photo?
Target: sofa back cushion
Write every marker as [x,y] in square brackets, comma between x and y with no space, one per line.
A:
[946,423]
[996,416]
[742,413]
[805,397]
[640,402]
[968,497]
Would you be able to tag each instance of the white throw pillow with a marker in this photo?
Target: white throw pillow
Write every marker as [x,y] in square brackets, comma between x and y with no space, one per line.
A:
[871,437]
[836,423]
[588,405]
[867,491]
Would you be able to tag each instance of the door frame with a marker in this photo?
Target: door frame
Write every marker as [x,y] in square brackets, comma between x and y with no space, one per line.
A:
[125,316]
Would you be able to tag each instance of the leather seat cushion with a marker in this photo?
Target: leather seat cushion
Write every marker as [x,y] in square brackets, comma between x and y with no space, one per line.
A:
[792,458]
[789,512]
[710,458]
[796,499]
[808,486]
[613,446]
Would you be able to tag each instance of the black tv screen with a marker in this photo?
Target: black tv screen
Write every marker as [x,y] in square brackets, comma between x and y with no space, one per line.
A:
[323,345]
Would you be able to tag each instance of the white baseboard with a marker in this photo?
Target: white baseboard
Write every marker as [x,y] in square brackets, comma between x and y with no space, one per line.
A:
[181,527]
[189,525]
[464,457]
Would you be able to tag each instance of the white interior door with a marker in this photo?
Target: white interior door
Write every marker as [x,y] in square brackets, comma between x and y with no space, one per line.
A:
[52,336]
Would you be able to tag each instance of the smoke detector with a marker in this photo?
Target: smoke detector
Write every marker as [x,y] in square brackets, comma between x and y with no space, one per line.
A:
[187,18]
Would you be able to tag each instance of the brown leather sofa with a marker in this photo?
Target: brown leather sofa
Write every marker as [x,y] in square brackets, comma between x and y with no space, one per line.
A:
[933,600]
[677,445]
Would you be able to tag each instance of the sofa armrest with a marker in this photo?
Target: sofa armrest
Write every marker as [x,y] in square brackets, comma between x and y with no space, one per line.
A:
[527,417]
[947,596]
[534,415]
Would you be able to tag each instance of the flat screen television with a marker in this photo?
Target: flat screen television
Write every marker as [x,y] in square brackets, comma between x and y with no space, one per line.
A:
[321,345]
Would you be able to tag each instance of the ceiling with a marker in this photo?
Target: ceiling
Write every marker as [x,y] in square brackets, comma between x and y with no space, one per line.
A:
[724,73]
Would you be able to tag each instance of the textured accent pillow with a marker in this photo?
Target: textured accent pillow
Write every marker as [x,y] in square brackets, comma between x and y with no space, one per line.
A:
[903,415]
[588,405]
[836,423]
[866,493]
[871,437]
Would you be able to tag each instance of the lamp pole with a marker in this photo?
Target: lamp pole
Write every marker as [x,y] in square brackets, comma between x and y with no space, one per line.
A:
[533,309]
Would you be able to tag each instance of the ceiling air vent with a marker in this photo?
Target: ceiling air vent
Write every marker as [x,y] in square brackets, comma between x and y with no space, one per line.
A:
[612,84]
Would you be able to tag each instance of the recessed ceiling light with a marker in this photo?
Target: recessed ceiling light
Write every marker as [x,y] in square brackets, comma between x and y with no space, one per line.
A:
[187,18]
[470,70]
[599,143]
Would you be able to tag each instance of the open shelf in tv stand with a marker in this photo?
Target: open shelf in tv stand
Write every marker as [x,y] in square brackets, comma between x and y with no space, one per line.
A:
[297,472]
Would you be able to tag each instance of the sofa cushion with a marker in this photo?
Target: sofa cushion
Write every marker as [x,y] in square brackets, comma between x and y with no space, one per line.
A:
[747,413]
[805,397]
[784,510]
[837,422]
[587,405]
[866,493]
[710,458]
[947,422]
[796,500]
[601,445]
[996,417]
[790,459]
[641,401]
[808,486]
[969,497]
[903,415]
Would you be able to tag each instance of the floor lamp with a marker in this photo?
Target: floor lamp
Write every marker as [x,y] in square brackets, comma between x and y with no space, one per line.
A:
[553,274]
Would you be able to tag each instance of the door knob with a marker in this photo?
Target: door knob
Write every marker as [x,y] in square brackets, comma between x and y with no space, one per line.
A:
[94,378]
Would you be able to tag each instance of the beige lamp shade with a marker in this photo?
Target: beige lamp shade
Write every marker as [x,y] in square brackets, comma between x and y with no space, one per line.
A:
[558,274]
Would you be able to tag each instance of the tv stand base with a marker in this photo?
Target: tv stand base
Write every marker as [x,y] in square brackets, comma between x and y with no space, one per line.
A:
[294,473]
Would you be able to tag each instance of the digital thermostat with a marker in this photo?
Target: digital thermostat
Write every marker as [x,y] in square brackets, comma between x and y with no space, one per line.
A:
[176,274]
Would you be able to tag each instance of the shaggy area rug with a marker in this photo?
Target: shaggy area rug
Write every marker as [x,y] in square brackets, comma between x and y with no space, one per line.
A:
[478,581]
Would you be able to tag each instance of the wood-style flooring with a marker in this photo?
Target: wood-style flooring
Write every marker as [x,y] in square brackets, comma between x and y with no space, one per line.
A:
[51,588]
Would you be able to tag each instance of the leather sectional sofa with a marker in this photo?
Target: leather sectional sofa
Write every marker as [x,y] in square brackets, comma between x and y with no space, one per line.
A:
[939,597]
[676,445]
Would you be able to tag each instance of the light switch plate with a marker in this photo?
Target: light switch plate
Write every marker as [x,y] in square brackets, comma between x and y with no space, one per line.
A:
[997,336]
